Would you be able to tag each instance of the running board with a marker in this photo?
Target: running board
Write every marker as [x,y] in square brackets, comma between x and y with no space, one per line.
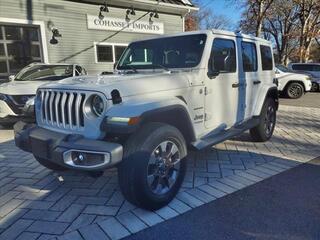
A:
[216,138]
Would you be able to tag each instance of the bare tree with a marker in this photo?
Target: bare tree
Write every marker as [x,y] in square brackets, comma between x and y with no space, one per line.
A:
[207,19]
[254,15]
[282,24]
[309,18]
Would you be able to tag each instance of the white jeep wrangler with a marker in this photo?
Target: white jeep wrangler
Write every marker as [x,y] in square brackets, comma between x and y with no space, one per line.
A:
[168,95]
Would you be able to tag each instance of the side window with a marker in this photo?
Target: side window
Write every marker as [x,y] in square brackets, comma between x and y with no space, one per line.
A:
[266,58]
[223,56]
[249,57]
[316,68]
[302,67]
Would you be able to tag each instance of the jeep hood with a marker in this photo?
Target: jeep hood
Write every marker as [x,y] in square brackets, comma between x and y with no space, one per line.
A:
[126,84]
[21,87]
[293,75]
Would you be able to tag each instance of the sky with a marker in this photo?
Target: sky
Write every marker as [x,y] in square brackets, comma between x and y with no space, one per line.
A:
[222,7]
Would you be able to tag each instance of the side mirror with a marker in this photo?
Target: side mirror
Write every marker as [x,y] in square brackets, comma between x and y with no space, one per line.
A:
[277,71]
[11,78]
[212,72]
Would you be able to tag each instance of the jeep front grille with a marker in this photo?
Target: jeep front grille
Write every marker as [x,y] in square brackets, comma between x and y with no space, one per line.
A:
[63,109]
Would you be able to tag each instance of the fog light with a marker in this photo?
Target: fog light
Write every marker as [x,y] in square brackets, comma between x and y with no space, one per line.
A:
[86,159]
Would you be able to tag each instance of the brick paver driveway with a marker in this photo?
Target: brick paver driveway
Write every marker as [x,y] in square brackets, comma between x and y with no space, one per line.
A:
[36,203]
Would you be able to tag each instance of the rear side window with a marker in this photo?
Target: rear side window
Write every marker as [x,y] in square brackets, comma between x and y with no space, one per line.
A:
[249,57]
[224,56]
[266,58]
[306,67]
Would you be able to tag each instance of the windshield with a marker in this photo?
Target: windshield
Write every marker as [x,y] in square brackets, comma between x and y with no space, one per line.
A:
[283,68]
[44,73]
[164,53]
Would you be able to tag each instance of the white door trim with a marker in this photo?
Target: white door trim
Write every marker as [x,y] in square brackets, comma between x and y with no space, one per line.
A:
[42,32]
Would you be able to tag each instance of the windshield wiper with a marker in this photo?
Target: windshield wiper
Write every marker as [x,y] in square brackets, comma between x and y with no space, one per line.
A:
[161,66]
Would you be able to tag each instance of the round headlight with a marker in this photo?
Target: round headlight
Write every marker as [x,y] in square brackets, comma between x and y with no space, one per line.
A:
[97,105]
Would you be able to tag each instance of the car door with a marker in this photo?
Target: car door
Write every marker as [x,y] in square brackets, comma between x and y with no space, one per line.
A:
[222,109]
[250,76]
[316,70]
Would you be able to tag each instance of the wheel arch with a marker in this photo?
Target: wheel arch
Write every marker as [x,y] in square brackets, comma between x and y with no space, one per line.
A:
[174,115]
[295,81]
[271,92]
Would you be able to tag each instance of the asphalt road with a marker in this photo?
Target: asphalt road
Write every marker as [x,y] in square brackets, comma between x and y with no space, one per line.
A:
[308,100]
[286,206]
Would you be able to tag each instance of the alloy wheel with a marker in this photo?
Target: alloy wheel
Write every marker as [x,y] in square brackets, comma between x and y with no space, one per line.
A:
[163,167]
[270,119]
[295,91]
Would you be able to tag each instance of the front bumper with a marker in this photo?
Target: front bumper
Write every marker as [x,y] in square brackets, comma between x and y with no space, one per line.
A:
[65,149]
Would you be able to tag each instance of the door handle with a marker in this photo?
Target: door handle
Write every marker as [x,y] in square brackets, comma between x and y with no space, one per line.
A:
[256,82]
[235,85]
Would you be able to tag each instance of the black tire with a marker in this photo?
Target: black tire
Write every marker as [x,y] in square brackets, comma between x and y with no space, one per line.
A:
[263,132]
[133,172]
[50,165]
[315,87]
[295,90]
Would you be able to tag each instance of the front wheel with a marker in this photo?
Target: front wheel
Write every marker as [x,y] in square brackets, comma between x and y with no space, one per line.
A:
[264,131]
[295,90]
[154,166]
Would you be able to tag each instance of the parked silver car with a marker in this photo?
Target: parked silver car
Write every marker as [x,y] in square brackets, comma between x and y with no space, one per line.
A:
[312,69]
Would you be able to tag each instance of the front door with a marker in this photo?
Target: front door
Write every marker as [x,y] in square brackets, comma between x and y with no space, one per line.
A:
[223,104]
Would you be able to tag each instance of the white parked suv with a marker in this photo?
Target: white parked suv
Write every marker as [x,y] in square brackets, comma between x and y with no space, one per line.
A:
[312,69]
[168,94]
[23,87]
[292,84]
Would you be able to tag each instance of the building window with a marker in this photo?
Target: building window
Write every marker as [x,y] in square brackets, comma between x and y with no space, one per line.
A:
[19,46]
[118,51]
[109,52]
[249,57]
[104,53]
[224,56]
[266,58]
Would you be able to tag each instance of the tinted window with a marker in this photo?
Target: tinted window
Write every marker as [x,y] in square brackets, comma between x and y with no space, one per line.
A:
[266,58]
[224,56]
[306,67]
[104,53]
[249,57]
[170,52]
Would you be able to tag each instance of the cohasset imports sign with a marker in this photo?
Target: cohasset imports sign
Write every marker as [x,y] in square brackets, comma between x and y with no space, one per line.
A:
[117,24]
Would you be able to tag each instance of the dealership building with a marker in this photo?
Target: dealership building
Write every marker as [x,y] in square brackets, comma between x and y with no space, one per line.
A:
[92,33]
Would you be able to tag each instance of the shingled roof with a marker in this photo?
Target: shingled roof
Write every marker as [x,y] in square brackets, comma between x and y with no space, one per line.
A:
[177,2]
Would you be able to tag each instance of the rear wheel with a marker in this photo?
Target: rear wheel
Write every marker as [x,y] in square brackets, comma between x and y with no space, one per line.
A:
[264,131]
[295,90]
[50,165]
[153,167]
